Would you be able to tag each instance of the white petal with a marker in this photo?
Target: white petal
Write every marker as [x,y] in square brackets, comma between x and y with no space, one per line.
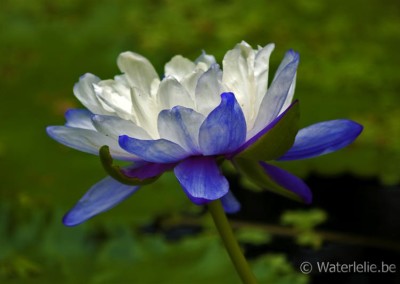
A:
[208,90]
[171,93]
[145,109]
[238,77]
[189,82]
[207,59]
[114,127]
[154,88]
[88,141]
[139,71]
[179,67]
[85,93]
[116,97]
[261,68]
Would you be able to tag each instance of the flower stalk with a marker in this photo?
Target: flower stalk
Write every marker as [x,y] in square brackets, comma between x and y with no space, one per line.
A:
[231,245]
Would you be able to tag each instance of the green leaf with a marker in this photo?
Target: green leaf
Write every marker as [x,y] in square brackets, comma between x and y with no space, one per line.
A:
[253,171]
[304,219]
[278,140]
[254,236]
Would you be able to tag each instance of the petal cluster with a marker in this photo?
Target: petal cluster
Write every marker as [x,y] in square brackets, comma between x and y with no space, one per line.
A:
[196,116]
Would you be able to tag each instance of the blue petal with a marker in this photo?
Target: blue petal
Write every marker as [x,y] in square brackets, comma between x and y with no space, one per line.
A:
[230,203]
[79,118]
[323,138]
[181,125]
[290,56]
[275,98]
[155,151]
[224,130]
[201,179]
[288,181]
[101,197]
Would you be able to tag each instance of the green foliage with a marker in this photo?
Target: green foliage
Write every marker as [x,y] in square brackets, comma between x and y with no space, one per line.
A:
[253,236]
[275,268]
[304,222]
[110,253]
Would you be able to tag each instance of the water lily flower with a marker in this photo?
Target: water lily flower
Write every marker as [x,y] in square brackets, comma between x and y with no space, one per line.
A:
[191,120]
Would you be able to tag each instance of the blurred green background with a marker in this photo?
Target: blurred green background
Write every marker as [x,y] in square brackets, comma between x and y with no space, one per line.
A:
[349,69]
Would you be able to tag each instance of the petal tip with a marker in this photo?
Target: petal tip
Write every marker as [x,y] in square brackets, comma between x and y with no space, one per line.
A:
[122,140]
[358,128]
[294,54]
[88,75]
[227,95]
[50,131]
[70,221]
[97,118]
[230,204]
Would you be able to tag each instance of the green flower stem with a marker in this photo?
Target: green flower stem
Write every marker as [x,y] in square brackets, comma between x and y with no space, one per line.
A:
[231,245]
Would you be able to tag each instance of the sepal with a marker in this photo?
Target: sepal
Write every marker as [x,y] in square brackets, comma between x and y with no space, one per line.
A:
[115,171]
[253,170]
[275,139]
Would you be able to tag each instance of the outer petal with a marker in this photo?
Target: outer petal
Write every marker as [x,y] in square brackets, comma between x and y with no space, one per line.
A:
[224,130]
[201,179]
[84,91]
[155,151]
[139,71]
[288,181]
[88,141]
[290,55]
[230,203]
[273,101]
[101,197]
[181,125]
[79,118]
[290,95]
[323,138]
[114,127]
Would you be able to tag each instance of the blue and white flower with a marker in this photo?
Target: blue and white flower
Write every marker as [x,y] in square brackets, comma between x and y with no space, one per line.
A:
[195,117]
